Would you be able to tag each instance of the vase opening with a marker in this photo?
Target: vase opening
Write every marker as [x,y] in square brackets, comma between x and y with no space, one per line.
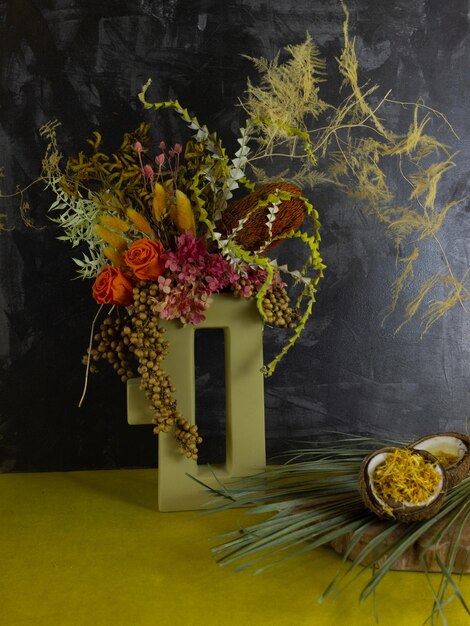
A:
[210,394]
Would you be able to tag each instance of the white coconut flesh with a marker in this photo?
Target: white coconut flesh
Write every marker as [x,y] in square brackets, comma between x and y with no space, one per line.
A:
[380,458]
[444,444]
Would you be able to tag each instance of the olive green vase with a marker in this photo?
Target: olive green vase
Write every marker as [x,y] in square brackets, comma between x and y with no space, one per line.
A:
[244,403]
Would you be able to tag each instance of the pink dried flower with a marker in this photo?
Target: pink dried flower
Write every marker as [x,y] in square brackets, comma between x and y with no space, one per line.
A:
[177,148]
[187,305]
[160,160]
[148,172]
[164,284]
[193,274]
[138,147]
[162,145]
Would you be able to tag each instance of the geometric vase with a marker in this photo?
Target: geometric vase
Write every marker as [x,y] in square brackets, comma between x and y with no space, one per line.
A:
[244,403]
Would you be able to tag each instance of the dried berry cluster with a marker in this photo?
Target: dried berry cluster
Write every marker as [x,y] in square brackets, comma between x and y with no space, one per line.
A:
[112,346]
[140,337]
[278,310]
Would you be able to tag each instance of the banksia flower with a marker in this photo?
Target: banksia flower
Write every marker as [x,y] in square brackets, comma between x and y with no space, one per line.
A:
[159,202]
[114,240]
[116,223]
[182,213]
[254,234]
[113,256]
[140,222]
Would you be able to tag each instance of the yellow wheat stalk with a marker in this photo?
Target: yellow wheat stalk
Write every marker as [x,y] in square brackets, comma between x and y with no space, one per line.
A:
[159,202]
[140,222]
[182,213]
[113,256]
[114,240]
[115,223]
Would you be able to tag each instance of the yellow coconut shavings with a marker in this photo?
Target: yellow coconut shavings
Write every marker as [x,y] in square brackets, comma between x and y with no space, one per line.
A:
[405,477]
[446,459]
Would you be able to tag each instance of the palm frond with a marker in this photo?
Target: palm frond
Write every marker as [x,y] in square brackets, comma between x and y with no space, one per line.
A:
[313,499]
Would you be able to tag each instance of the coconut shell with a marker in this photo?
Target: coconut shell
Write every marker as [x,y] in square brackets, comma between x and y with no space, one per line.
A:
[255,234]
[400,512]
[459,470]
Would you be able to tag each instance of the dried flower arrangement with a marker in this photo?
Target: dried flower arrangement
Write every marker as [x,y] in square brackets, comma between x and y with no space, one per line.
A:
[164,228]
[163,237]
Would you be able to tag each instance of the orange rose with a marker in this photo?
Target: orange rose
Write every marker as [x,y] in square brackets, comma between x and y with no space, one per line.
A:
[144,258]
[112,287]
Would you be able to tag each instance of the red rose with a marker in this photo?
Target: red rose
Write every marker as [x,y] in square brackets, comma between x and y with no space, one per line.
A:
[112,287]
[144,257]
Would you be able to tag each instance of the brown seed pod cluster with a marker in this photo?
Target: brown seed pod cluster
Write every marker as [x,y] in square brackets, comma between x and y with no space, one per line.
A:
[111,345]
[139,337]
[188,438]
[276,306]
[255,234]
[150,348]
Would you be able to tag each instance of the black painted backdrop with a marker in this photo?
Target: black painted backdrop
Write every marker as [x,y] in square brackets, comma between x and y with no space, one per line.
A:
[84,63]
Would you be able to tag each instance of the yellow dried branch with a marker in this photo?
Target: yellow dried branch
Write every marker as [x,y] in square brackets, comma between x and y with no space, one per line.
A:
[426,182]
[348,67]
[402,281]
[409,222]
[415,303]
[438,308]
[422,226]
[287,95]
[435,219]
[415,143]
[427,146]
[356,168]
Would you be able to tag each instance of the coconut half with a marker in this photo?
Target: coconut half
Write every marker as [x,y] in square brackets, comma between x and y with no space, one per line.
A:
[452,450]
[402,511]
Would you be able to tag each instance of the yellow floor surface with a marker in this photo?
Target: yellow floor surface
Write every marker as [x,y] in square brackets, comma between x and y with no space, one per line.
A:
[90,549]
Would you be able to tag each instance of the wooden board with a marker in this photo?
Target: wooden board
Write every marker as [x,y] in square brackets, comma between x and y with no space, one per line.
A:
[410,559]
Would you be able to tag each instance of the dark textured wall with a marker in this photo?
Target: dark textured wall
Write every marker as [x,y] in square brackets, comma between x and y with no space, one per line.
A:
[84,63]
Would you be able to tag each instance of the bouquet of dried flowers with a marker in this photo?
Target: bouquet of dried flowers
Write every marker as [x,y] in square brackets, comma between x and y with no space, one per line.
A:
[166,227]
[163,236]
